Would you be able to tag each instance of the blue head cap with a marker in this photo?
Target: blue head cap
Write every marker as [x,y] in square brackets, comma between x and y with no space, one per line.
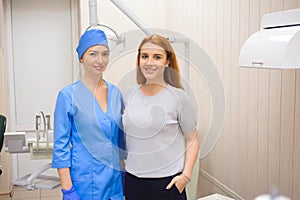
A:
[91,38]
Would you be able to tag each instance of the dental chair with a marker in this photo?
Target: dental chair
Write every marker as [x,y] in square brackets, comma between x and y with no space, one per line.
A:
[2,131]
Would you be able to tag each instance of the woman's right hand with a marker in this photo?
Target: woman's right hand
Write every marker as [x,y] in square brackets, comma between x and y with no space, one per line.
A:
[70,194]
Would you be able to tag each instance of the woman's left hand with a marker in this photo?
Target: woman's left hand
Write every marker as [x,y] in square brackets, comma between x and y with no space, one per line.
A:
[180,182]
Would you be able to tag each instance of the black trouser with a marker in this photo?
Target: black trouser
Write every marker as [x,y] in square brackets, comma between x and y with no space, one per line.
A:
[151,189]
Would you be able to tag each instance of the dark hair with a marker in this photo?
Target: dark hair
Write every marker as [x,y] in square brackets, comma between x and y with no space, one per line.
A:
[171,73]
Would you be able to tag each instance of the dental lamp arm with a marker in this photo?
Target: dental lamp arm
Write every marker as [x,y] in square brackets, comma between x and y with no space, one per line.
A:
[131,16]
[93,12]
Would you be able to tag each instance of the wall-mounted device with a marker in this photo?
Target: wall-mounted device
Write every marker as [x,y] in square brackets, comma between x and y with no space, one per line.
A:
[276,45]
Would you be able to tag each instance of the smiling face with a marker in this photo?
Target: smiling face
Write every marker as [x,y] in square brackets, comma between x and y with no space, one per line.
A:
[95,60]
[152,62]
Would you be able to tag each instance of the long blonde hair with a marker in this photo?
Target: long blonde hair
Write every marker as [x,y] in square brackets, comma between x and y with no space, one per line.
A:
[171,73]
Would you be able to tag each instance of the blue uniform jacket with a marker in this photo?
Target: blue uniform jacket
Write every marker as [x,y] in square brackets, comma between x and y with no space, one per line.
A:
[89,141]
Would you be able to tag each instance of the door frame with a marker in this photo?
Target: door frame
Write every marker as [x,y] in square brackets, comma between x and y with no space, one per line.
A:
[75,27]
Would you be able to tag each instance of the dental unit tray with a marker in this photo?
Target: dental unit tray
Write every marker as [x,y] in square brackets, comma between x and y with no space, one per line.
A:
[39,150]
[39,147]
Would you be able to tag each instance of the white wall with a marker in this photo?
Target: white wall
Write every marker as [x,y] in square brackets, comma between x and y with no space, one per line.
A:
[259,146]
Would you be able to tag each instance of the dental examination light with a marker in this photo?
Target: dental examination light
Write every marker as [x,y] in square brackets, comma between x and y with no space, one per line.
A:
[114,39]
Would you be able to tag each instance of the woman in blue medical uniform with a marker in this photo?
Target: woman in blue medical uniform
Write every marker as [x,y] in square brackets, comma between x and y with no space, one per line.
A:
[87,133]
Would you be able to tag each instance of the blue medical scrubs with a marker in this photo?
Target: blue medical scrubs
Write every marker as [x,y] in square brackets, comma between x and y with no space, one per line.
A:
[89,141]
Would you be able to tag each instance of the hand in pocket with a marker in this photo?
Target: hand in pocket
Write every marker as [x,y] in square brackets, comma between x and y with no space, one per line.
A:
[180,183]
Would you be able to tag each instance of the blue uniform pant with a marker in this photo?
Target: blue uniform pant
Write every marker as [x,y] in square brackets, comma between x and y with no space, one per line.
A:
[151,189]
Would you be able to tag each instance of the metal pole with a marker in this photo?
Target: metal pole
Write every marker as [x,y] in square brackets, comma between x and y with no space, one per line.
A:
[93,13]
[131,16]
